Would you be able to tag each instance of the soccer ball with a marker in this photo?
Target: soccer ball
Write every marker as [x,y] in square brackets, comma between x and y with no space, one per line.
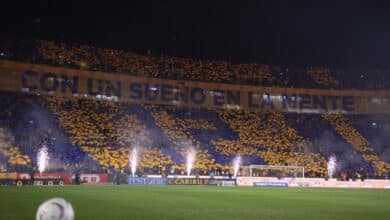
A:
[55,209]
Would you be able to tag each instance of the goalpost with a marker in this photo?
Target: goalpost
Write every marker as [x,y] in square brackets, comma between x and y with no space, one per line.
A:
[275,171]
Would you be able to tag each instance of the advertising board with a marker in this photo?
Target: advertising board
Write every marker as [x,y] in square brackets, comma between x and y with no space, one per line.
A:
[200,181]
[271,184]
[146,181]
[94,178]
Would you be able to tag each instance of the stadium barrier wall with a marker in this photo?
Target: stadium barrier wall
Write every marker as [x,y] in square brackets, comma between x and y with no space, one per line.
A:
[66,177]
[90,178]
[46,181]
[22,179]
[50,80]
[313,182]
[14,182]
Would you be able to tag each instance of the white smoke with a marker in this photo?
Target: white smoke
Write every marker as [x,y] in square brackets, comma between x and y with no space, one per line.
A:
[332,165]
[43,159]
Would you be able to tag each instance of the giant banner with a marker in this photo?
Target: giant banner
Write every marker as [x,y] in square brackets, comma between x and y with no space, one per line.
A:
[49,80]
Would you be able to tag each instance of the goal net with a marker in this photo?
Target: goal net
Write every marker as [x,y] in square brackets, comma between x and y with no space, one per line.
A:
[273,171]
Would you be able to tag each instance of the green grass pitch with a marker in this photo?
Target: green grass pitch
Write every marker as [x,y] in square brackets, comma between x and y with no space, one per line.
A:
[200,202]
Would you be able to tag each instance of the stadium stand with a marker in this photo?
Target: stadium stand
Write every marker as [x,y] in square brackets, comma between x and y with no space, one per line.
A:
[97,135]
[106,131]
[108,60]
[327,141]
[268,135]
[87,57]
[375,129]
[15,157]
[352,136]
[27,119]
[322,77]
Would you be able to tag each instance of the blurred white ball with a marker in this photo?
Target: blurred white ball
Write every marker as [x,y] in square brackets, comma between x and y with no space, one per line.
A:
[55,209]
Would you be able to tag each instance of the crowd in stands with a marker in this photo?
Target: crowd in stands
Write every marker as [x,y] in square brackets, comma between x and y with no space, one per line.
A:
[109,60]
[352,136]
[322,77]
[375,129]
[104,130]
[195,124]
[15,157]
[151,160]
[29,126]
[88,57]
[107,131]
[268,135]
[164,66]
[176,130]
[99,59]
[98,123]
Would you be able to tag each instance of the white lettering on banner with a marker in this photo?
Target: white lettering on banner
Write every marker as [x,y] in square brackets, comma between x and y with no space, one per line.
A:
[49,80]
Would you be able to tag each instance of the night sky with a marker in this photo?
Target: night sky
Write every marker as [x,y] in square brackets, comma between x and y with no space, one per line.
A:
[349,34]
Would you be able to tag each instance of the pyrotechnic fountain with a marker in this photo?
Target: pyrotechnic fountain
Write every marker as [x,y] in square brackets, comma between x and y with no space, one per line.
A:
[190,161]
[332,164]
[133,161]
[237,164]
[42,159]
